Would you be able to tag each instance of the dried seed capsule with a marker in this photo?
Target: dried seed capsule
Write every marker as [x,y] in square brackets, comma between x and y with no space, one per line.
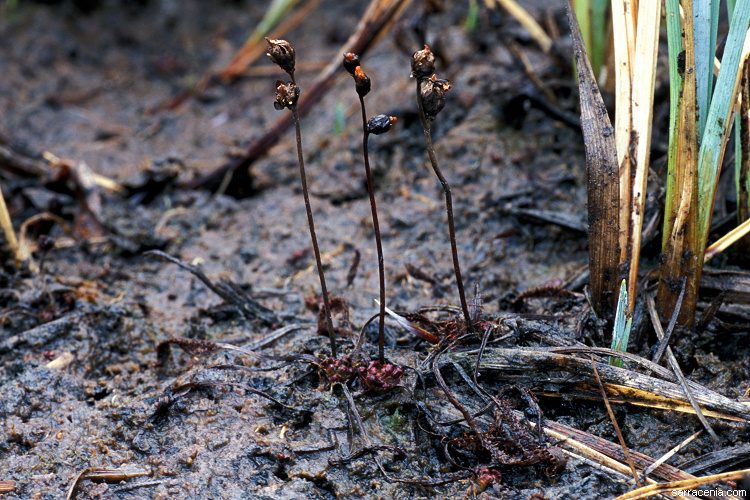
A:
[362,82]
[433,96]
[286,95]
[282,54]
[351,61]
[423,63]
[380,124]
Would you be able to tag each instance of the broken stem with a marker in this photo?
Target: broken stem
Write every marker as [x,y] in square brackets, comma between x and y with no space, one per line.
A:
[376,227]
[448,205]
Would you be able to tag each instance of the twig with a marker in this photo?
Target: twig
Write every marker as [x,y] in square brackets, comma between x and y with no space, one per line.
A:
[624,446]
[230,292]
[655,489]
[648,470]
[677,371]
[7,226]
[107,475]
[664,343]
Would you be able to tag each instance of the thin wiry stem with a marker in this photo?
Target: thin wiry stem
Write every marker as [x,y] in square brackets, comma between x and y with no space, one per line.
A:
[311,225]
[376,227]
[448,205]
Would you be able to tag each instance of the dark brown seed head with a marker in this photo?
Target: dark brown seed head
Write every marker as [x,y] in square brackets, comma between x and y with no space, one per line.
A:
[433,96]
[380,124]
[282,54]
[286,95]
[362,82]
[351,61]
[423,63]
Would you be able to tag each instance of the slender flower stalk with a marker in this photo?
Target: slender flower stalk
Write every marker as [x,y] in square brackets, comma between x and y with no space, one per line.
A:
[287,96]
[378,125]
[431,100]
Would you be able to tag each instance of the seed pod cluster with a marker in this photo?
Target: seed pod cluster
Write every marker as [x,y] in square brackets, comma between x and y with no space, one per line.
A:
[431,100]
[423,63]
[351,62]
[287,95]
[282,54]
[361,80]
[433,96]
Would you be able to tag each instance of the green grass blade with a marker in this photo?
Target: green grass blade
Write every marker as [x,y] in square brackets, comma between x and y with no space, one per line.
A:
[742,152]
[275,12]
[719,116]
[621,330]
[593,18]
[674,43]
[740,179]
[730,9]
[582,9]
[705,26]
[471,23]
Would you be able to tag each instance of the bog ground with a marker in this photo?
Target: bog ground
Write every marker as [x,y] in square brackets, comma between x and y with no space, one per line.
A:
[94,87]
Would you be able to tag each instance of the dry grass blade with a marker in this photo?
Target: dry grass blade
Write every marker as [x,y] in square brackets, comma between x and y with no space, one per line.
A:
[727,240]
[655,489]
[735,285]
[742,152]
[681,205]
[677,370]
[227,290]
[612,418]
[10,236]
[622,385]
[623,30]
[719,460]
[648,470]
[605,453]
[106,475]
[603,181]
[255,45]
[639,136]
[664,339]
[535,30]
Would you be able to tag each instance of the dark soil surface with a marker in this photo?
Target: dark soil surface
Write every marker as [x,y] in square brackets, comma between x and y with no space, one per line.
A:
[78,377]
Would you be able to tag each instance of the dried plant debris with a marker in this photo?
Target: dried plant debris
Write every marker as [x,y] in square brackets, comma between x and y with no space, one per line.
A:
[245,305]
